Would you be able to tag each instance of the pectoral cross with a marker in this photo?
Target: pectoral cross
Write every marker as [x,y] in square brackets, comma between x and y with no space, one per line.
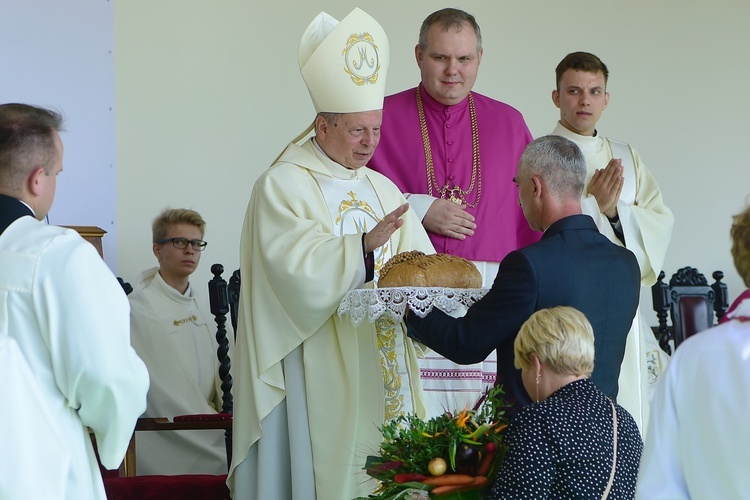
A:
[452,195]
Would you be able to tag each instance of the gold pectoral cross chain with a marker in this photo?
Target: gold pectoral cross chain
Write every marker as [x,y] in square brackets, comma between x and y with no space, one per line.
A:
[455,194]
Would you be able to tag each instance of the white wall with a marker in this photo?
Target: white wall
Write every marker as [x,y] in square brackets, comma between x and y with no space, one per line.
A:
[208,93]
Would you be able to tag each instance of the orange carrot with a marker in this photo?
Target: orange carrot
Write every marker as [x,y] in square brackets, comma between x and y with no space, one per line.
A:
[477,482]
[449,480]
[484,465]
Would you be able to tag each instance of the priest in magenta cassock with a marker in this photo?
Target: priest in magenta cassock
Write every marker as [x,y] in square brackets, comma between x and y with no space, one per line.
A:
[444,142]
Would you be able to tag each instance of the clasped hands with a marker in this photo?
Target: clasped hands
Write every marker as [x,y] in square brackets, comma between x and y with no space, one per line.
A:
[606,186]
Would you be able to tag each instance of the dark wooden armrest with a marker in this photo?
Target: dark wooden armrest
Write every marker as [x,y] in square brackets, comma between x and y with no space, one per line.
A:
[164,424]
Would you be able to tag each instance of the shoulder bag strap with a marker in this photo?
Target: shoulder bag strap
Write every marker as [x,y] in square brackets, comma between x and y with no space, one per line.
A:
[614,456]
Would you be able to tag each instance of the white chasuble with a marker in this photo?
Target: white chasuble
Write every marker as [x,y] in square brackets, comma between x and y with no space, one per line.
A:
[355,208]
[312,389]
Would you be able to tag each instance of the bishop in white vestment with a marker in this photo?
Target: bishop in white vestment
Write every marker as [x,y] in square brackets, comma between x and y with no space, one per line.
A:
[311,390]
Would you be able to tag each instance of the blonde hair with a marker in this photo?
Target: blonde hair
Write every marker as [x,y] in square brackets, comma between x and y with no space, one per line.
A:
[172,216]
[740,233]
[561,337]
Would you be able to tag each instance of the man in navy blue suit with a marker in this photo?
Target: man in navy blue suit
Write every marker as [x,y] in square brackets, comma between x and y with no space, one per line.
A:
[572,265]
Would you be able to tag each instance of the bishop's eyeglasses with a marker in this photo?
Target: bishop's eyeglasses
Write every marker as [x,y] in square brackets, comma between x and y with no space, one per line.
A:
[198,245]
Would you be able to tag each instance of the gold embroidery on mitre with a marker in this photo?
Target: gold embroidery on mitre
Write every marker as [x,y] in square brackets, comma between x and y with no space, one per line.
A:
[386,335]
[361,59]
[179,322]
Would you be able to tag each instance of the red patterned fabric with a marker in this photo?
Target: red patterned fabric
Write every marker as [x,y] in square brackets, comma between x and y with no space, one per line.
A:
[744,295]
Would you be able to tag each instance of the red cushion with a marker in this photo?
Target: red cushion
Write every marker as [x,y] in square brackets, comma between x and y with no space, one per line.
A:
[182,487]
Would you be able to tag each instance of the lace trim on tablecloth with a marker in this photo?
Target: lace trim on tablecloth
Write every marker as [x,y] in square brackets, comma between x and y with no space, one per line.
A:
[371,304]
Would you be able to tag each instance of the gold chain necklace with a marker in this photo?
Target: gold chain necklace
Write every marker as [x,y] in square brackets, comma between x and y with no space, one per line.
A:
[454,194]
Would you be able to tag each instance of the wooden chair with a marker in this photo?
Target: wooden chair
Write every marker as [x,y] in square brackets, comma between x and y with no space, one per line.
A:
[690,302]
[224,299]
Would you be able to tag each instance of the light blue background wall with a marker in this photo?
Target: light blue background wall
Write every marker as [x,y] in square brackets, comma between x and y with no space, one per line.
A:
[60,54]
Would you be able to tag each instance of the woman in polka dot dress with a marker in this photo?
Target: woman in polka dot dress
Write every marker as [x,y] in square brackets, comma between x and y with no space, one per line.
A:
[562,446]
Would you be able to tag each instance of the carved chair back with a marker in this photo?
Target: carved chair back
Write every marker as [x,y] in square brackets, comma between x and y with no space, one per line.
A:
[690,302]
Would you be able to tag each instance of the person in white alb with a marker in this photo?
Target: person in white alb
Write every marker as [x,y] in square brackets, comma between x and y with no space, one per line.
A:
[64,344]
[624,200]
[697,440]
[173,334]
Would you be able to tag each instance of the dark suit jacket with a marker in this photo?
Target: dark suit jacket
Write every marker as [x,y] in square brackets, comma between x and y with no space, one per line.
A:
[10,210]
[572,265]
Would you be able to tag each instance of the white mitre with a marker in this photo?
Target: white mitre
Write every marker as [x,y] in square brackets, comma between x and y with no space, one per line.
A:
[344,64]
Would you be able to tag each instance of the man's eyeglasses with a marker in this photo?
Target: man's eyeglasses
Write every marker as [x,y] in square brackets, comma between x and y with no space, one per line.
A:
[198,245]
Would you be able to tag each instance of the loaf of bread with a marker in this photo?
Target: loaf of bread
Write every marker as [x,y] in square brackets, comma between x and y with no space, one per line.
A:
[414,268]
